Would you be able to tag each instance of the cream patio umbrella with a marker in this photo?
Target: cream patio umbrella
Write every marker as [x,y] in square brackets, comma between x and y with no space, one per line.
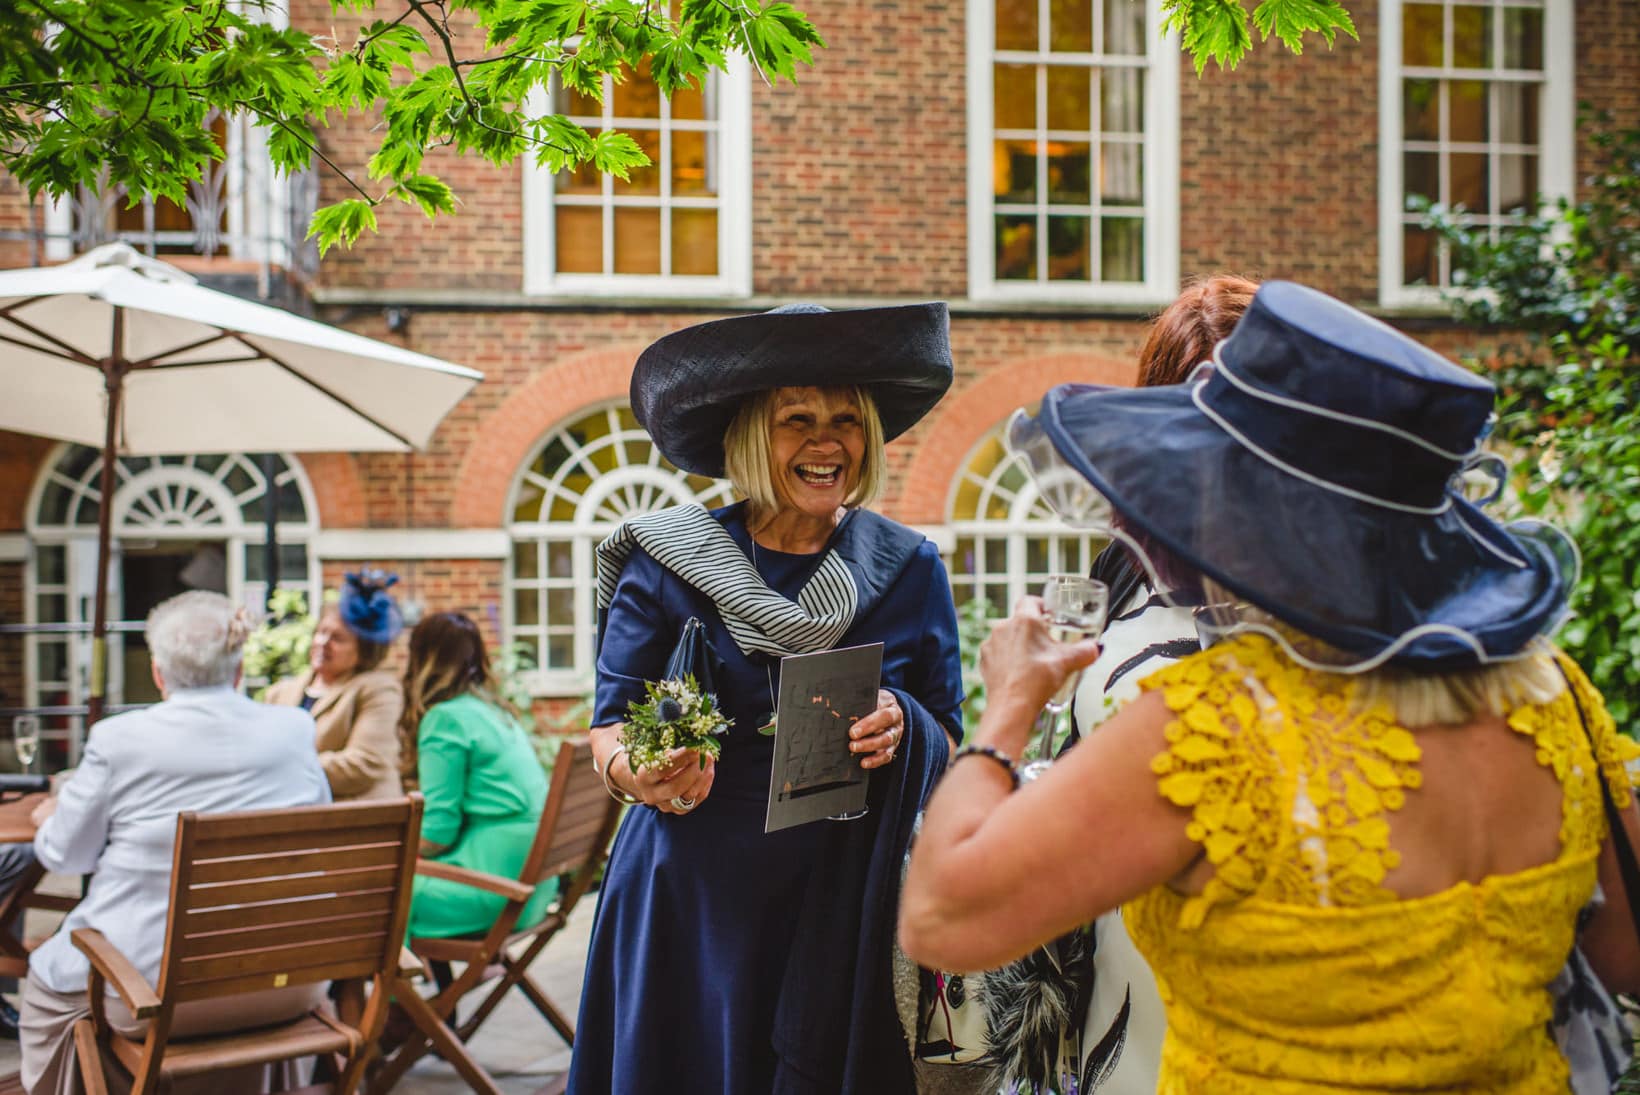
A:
[120,351]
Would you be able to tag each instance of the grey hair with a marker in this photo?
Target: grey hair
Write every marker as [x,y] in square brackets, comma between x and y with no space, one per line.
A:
[196,640]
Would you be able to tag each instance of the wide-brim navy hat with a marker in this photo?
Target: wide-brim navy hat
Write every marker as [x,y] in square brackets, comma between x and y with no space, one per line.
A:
[687,387]
[1316,471]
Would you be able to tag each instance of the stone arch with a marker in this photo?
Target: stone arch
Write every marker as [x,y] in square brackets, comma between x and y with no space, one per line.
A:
[946,438]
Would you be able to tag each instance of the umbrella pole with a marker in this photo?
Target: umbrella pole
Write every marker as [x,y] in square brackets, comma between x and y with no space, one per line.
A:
[113,369]
[270,532]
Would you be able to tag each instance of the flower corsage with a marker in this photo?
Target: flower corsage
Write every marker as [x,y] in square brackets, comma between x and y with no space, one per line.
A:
[677,715]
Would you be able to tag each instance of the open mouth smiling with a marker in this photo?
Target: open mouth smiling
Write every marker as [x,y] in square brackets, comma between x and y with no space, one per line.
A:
[819,475]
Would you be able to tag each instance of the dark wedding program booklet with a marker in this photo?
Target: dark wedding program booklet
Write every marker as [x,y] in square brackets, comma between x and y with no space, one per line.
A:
[821,696]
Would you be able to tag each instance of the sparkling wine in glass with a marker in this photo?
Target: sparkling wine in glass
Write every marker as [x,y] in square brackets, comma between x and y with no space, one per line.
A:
[1076,610]
[25,739]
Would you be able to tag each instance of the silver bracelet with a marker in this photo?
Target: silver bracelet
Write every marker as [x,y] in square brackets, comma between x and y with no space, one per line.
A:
[609,785]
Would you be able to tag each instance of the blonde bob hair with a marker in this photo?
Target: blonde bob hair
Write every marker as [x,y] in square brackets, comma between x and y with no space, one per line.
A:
[748,459]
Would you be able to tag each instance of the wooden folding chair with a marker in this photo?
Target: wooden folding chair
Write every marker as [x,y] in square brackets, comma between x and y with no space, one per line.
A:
[576,826]
[261,900]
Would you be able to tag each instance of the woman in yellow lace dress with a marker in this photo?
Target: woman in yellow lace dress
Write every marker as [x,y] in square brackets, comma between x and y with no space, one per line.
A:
[1353,835]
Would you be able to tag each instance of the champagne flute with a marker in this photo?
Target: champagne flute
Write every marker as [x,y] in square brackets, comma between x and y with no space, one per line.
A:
[1076,610]
[25,739]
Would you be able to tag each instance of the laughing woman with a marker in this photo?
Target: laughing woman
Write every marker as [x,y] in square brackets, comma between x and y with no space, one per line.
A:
[725,959]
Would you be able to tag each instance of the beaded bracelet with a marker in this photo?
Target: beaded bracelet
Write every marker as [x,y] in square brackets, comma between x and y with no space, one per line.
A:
[615,792]
[991,753]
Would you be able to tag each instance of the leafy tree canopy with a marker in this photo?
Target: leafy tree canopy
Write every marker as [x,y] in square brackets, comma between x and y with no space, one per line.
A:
[1567,280]
[104,93]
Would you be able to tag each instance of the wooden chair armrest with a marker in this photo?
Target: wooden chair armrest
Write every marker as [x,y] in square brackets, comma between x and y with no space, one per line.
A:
[509,888]
[410,966]
[133,988]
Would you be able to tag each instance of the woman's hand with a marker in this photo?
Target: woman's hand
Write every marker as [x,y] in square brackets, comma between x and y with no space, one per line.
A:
[1022,665]
[879,733]
[678,787]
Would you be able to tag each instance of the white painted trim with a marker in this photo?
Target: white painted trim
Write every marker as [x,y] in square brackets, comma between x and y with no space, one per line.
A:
[415,543]
[734,278]
[1557,144]
[1161,187]
[942,535]
[13,547]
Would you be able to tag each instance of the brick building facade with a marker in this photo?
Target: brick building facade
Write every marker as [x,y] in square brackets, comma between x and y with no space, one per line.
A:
[1049,168]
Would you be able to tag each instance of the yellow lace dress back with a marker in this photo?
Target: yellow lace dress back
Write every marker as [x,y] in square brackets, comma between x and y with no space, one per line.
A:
[1295,970]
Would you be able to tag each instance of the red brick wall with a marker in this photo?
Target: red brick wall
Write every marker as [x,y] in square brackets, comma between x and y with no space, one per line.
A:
[11,646]
[20,457]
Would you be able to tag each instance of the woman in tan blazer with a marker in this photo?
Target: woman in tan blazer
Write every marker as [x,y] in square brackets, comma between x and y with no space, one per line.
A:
[356,706]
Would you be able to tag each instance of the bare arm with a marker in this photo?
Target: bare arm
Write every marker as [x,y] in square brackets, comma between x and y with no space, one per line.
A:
[995,872]
[1610,942]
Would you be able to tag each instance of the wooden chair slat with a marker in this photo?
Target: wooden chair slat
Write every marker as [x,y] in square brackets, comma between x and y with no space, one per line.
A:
[243,893]
[202,921]
[257,982]
[192,1058]
[307,840]
[312,933]
[245,867]
[347,816]
[278,959]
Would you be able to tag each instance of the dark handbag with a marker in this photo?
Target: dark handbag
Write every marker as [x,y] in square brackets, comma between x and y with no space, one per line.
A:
[693,656]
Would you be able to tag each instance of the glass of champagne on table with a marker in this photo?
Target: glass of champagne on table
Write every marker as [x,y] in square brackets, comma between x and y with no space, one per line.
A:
[25,739]
[1076,608]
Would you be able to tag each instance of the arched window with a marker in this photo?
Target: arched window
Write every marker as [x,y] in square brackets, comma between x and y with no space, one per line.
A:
[1005,538]
[179,523]
[586,477]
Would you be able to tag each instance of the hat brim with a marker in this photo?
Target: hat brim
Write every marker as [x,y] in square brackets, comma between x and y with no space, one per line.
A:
[1434,591]
[687,386]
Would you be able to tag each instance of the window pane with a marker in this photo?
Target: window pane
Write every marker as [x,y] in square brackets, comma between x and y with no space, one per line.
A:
[584,179]
[560,559]
[996,556]
[560,606]
[1121,174]
[644,180]
[561,651]
[1421,110]
[1070,103]
[526,607]
[1523,38]
[527,559]
[690,162]
[1518,113]
[579,247]
[1470,182]
[54,504]
[1471,37]
[1421,34]
[1418,257]
[1016,24]
[1070,26]
[637,97]
[689,103]
[1016,247]
[1517,182]
[1421,174]
[1036,555]
[1069,172]
[567,100]
[1014,96]
[1122,249]
[637,241]
[51,608]
[1068,249]
[1125,27]
[695,242]
[50,564]
[1469,106]
[1014,171]
[1121,100]
[52,660]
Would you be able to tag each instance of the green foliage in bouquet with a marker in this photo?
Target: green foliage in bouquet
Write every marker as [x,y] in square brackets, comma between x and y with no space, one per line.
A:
[677,715]
[279,648]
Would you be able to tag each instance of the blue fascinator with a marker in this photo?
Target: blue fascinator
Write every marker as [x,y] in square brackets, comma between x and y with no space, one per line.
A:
[369,611]
[1318,473]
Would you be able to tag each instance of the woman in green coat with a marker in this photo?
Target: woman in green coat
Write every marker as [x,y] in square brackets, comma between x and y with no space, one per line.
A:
[482,784]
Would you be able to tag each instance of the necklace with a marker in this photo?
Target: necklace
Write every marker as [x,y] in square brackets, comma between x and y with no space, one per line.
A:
[768,727]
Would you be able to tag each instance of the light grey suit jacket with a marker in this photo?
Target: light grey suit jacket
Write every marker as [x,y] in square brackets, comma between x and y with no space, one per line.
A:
[207,749]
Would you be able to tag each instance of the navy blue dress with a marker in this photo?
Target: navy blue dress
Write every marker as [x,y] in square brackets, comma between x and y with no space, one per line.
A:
[697,912]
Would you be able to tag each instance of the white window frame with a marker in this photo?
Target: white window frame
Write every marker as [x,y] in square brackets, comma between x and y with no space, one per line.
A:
[1161,167]
[734,276]
[651,482]
[1557,150]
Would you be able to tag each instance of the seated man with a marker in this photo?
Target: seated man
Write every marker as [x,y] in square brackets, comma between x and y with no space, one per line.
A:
[204,747]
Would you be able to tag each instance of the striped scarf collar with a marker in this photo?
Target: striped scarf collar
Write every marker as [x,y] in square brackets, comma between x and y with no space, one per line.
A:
[691,543]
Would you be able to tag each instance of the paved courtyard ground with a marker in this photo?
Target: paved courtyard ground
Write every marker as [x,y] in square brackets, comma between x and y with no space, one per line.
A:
[515,1045]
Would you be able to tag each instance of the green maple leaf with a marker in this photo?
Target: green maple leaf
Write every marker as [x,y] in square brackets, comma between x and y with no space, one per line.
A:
[1290,20]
